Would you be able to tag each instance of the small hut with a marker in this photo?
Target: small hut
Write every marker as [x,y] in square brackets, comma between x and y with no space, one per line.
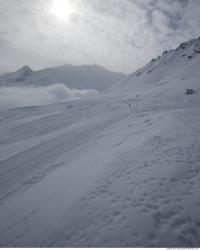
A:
[189,91]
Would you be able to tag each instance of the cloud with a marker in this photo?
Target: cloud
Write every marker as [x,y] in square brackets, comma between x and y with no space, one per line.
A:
[121,35]
[11,97]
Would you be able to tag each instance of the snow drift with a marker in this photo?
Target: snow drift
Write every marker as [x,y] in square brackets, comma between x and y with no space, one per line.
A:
[11,97]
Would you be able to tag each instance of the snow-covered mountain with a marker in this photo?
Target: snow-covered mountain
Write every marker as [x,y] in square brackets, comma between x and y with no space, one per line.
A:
[165,78]
[77,77]
[100,173]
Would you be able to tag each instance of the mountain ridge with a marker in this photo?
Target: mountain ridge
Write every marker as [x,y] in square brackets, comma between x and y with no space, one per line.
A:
[80,77]
[165,77]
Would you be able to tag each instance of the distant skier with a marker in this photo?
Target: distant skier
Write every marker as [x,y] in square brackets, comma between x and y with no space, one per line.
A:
[129,105]
[137,97]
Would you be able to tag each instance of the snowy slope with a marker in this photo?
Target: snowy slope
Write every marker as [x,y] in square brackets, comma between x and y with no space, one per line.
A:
[165,78]
[79,77]
[96,173]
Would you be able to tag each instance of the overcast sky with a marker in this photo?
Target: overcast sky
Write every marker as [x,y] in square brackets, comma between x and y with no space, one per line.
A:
[121,35]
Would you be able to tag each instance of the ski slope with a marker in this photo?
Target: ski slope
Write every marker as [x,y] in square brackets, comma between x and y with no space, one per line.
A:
[96,173]
[116,177]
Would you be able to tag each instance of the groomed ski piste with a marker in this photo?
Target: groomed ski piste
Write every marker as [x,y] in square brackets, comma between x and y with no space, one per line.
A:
[96,173]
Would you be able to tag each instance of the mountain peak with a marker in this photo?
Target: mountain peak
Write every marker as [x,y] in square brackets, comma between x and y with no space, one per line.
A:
[80,77]
[25,69]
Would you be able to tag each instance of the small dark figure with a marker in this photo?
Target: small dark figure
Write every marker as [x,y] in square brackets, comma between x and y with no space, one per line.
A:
[137,96]
[129,105]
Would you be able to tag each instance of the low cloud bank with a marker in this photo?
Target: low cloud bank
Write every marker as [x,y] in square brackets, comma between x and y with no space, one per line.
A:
[11,97]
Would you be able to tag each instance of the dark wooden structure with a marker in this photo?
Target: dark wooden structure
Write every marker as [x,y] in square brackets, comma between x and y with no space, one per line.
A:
[189,91]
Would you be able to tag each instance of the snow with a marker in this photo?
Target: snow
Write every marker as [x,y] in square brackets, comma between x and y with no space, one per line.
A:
[75,77]
[96,173]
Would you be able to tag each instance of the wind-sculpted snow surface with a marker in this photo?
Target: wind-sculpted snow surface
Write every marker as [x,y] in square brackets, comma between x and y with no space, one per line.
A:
[151,196]
[97,174]
[102,173]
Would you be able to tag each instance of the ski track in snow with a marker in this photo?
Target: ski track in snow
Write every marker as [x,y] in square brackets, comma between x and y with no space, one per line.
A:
[142,195]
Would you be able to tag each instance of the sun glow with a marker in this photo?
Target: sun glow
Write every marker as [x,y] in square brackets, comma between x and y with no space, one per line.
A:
[62,9]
